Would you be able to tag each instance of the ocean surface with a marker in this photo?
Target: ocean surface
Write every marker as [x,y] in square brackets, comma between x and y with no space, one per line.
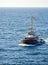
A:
[14,25]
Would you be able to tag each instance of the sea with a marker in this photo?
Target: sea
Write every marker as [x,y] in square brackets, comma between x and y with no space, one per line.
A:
[14,25]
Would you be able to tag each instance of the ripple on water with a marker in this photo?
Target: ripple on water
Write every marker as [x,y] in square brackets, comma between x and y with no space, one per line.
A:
[14,24]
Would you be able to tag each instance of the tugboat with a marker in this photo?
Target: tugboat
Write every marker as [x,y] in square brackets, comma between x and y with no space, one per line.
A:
[32,38]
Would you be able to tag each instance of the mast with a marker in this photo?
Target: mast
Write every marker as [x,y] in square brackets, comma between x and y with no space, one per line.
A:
[32,18]
[31,32]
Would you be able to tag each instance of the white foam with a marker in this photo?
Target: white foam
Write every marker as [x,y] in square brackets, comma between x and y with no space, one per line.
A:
[25,44]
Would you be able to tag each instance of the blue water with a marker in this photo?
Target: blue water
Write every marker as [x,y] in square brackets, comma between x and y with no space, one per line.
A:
[14,24]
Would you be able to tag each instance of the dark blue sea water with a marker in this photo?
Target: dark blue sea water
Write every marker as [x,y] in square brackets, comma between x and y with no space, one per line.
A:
[14,24]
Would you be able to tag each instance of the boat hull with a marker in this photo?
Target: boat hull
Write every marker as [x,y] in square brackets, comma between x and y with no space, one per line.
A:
[33,42]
